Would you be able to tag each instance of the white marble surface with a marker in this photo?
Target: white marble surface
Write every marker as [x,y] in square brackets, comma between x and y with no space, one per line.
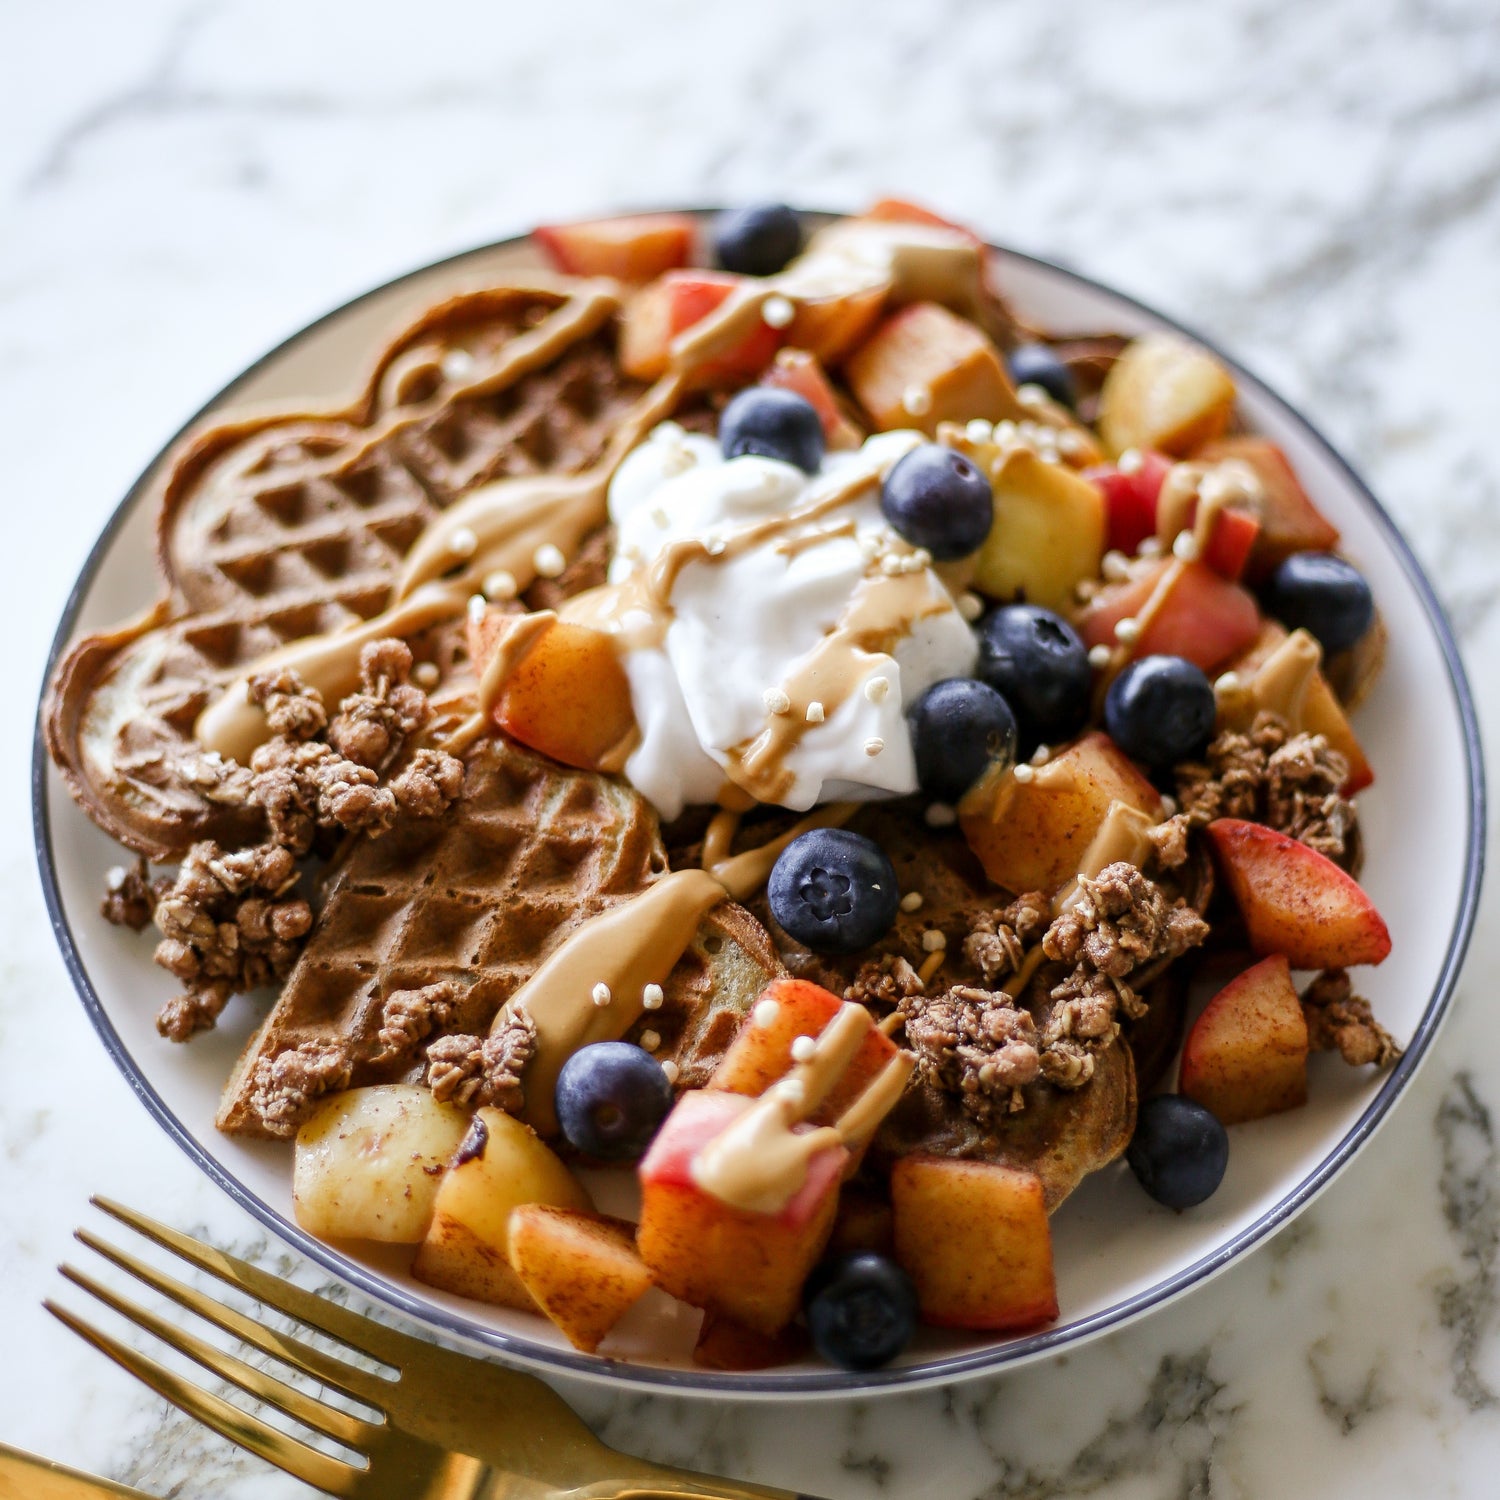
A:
[181,184]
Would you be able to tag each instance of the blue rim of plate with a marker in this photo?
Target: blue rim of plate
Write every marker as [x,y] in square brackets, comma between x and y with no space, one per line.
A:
[947,1369]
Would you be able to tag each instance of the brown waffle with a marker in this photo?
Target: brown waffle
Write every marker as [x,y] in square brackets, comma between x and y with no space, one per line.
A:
[279,527]
[479,898]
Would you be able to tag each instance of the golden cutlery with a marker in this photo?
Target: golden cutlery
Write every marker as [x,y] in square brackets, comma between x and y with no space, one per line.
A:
[441,1425]
[29,1476]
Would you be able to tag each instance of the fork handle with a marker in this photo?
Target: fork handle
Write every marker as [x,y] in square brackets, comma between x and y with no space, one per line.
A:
[644,1481]
[28,1476]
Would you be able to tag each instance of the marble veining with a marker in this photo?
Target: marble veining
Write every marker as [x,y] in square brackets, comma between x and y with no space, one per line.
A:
[182,182]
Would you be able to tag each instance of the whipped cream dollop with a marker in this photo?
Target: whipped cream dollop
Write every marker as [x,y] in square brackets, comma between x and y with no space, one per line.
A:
[748,627]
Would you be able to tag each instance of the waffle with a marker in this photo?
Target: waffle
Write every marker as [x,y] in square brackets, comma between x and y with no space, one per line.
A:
[278,527]
[479,898]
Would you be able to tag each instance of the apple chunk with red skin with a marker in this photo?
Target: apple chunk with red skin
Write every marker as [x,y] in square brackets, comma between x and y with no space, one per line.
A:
[1246,1055]
[633,247]
[1289,521]
[1130,497]
[974,1238]
[762,1051]
[568,696]
[671,305]
[801,372]
[1164,393]
[746,1266]
[1295,901]
[1030,836]
[1202,617]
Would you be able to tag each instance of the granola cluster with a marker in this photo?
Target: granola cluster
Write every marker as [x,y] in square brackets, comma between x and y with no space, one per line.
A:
[232,920]
[1340,1021]
[283,1086]
[1291,782]
[484,1070]
[984,1046]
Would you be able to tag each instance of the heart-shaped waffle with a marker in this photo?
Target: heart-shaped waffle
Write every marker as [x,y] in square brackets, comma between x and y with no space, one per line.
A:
[281,526]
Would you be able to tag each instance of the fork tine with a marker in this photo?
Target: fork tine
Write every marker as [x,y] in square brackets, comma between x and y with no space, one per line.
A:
[249,1432]
[358,1332]
[360,1384]
[339,1425]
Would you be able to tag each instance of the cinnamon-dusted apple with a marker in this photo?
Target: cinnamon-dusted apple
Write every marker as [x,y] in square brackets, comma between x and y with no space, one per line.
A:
[368,1163]
[1295,901]
[1246,1055]
[500,1165]
[975,1239]
[739,1195]
[582,1268]
[1030,833]
[1048,534]
[632,247]
[565,692]
[925,365]
[746,1265]
[1165,393]
[1178,609]
[1289,521]
[674,303]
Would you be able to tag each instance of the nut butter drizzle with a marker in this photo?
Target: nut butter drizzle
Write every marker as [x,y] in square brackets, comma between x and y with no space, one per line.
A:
[760,1160]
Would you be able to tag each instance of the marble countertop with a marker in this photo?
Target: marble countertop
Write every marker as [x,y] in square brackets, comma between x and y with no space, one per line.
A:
[183,182]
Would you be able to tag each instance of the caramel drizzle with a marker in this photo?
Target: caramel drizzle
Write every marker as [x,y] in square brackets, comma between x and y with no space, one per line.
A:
[520,635]
[1280,686]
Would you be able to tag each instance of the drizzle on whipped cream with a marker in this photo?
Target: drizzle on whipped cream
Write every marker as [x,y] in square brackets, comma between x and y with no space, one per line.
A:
[773,627]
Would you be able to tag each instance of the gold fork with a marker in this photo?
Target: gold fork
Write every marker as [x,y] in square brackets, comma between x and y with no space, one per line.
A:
[443,1425]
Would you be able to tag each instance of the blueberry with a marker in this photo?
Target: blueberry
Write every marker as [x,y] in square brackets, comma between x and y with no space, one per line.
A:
[938,500]
[1160,710]
[775,424]
[861,1310]
[1179,1151]
[958,727]
[757,241]
[1038,663]
[1036,364]
[834,891]
[611,1098]
[1324,594]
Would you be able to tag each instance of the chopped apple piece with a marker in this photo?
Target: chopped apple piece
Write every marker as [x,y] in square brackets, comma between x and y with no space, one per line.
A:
[1231,542]
[1246,1055]
[368,1162]
[974,1238]
[830,327]
[901,211]
[799,371]
[1167,394]
[724,1344]
[762,1051]
[1201,616]
[582,1268]
[567,696]
[674,303]
[1048,534]
[500,1165]
[924,365]
[1030,836]
[746,1266]
[1130,497]
[1295,901]
[1322,713]
[634,247]
[1289,521]
[864,1222]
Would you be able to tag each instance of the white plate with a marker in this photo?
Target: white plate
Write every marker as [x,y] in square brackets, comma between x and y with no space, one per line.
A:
[1118,1255]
